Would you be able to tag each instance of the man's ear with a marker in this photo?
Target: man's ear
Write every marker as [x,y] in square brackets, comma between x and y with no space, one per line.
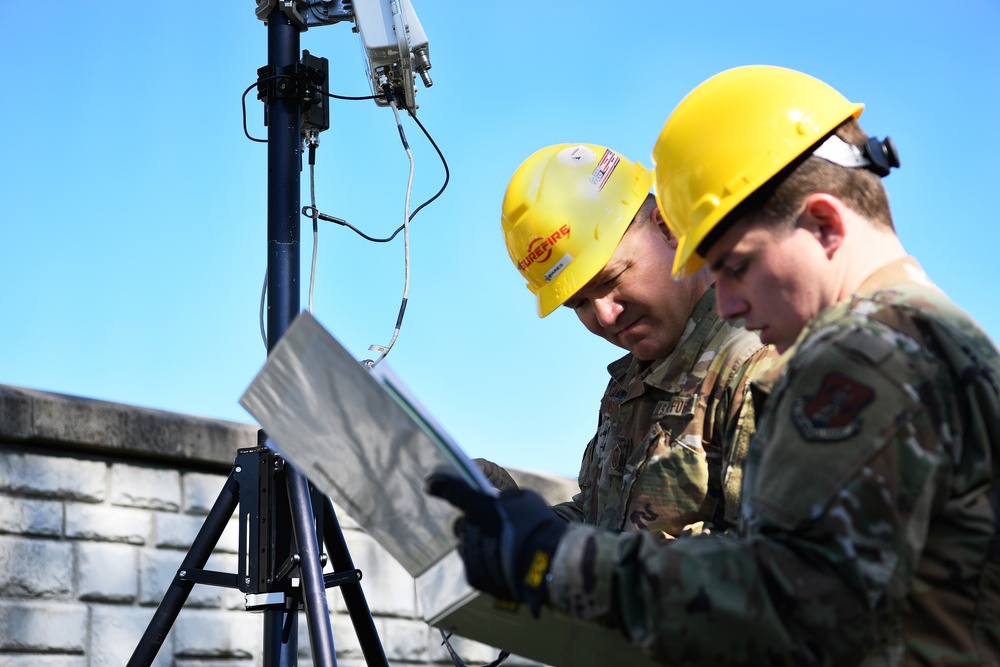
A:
[656,218]
[824,217]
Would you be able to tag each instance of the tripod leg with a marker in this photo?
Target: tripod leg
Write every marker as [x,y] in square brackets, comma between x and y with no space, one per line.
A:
[177,593]
[313,586]
[354,597]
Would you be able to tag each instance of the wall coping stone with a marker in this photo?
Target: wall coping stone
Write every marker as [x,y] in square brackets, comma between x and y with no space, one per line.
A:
[46,419]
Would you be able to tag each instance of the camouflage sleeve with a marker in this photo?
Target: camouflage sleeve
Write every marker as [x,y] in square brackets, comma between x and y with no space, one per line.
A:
[840,494]
[572,510]
[738,416]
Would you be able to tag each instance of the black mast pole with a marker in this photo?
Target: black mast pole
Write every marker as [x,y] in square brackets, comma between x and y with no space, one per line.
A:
[283,126]
[284,161]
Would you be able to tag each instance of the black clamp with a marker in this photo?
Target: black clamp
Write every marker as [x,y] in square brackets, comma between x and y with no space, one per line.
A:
[305,83]
[297,81]
[304,14]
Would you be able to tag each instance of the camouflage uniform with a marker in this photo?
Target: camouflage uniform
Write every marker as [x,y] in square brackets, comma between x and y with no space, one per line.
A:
[869,529]
[673,433]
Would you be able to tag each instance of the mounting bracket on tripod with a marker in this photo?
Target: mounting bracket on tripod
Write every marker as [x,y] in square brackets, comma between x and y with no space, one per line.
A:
[266,581]
[305,83]
[306,13]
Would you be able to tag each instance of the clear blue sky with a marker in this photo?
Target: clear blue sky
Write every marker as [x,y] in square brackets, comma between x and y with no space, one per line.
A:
[134,209]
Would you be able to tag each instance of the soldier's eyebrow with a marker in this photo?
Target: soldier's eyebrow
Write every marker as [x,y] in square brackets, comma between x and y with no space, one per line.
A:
[717,264]
[727,256]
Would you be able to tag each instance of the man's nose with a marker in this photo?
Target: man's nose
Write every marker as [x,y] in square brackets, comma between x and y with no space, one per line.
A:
[607,310]
[731,306]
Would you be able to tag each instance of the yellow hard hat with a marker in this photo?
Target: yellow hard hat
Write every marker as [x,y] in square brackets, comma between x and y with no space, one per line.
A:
[727,137]
[564,212]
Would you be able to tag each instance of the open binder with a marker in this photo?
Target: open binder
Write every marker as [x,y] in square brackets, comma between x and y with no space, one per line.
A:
[364,440]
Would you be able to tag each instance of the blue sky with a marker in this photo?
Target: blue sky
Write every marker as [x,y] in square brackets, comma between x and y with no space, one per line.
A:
[134,209]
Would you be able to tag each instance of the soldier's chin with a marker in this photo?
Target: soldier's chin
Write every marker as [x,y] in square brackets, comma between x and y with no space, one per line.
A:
[768,338]
[646,350]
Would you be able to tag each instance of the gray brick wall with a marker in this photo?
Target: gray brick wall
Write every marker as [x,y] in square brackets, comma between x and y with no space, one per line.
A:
[99,504]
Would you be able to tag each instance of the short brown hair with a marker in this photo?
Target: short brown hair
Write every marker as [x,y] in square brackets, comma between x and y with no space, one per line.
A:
[644,208]
[860,189]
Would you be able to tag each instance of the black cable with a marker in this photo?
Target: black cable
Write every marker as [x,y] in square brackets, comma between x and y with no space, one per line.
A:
[447,178]
[444,163]
[243,101]
[457,660]
[347,97]
[310,212]
[413,115]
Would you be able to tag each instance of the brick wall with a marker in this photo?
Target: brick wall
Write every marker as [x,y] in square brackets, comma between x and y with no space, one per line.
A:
[99,504]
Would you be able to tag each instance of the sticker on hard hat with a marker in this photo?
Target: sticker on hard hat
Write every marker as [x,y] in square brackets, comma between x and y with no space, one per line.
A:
[602,172]
[558,268]
[540,250]
[576,155]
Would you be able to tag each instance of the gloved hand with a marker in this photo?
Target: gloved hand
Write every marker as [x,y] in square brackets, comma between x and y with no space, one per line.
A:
[506,542]
[498,477]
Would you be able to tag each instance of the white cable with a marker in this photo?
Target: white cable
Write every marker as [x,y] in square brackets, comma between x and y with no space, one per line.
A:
[263,297]
[315,214]
[406,246]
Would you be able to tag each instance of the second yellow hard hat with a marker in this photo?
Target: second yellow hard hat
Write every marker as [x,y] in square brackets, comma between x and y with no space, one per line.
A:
[728,137]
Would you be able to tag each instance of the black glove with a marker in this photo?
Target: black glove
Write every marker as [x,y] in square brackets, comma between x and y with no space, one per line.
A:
[498,477]
[506,542]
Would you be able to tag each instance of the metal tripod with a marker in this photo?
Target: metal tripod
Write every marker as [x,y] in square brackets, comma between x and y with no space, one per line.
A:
[280,563]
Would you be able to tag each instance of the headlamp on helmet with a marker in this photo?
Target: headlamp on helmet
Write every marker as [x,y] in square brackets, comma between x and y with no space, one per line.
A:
[876,156]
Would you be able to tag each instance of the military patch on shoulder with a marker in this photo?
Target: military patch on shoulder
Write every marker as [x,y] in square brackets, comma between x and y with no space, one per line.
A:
[834,412]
